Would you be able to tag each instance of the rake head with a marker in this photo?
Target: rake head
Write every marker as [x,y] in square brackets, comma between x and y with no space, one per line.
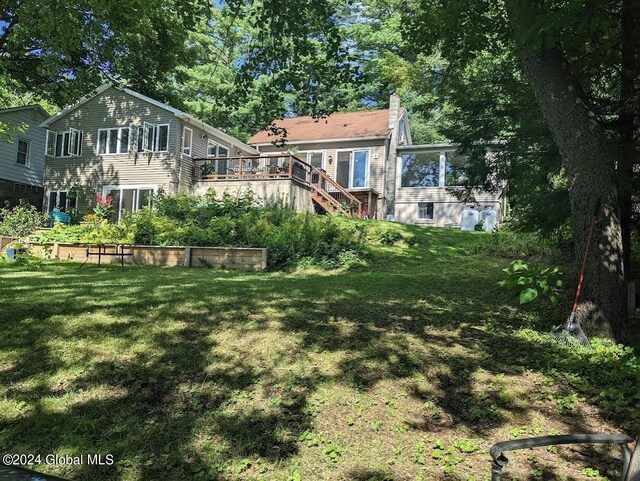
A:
[570,332]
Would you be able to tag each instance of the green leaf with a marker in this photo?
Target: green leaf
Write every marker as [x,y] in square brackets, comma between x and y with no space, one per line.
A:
[528,295]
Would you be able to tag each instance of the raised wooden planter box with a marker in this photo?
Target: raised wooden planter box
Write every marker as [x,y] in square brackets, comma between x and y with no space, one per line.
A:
[246,258]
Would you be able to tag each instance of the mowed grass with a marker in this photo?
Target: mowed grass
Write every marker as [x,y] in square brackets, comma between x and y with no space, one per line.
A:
[407,368]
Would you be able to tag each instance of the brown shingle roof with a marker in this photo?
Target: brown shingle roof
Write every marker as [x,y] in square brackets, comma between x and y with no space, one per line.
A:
[369,123]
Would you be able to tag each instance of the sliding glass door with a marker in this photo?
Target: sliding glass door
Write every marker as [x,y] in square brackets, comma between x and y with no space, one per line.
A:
[352,169]
[128,198]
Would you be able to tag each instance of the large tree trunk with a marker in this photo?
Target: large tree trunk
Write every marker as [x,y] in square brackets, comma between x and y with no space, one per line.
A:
[590,161]
[630,26]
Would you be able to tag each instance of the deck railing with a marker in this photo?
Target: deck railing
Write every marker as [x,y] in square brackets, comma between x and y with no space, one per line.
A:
[254,167]
[279,167]
[340,198]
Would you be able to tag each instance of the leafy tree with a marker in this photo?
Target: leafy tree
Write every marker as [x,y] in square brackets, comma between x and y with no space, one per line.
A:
[66,48]
[580,61]
[12,96]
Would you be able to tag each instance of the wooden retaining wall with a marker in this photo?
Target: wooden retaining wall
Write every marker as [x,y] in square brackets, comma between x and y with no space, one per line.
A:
[246,258]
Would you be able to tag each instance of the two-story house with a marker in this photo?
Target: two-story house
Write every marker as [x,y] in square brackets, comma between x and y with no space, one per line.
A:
[118,142]
[22,154]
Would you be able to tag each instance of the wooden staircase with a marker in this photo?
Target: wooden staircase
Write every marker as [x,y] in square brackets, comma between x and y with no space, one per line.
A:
[331,197]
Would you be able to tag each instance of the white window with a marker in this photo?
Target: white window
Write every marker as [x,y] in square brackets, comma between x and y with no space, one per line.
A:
[187,141]
[220,152]
[316,159]
[425,210]
[129,197]
[216,150]
[352,170]
[455,169]
[23,152]
[153,138]
[51,143]
[114,141]
[60,200]
[162,138]
[420,169]
[64,144]
[147,137]
[433,169]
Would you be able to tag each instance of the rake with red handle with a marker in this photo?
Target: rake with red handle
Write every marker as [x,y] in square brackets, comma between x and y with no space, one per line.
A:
[571,328]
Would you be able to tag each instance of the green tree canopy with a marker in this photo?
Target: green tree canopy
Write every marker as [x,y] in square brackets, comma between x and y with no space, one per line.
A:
[65,48]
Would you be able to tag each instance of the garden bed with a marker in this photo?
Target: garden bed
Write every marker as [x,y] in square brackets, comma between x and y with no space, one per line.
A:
[245,258]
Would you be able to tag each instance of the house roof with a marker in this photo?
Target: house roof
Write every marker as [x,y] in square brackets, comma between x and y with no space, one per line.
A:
[178,113]
[36,107]
[343,126]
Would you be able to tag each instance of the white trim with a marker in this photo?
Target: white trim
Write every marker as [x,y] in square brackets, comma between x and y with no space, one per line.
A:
[74,135]
[70,133]
[218,145]
[351,162]
[184,131]
[149,100]
[320,141]
[145,137]
[445,146]
[118,141]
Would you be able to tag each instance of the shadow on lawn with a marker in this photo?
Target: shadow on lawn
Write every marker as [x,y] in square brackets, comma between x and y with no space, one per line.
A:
[161,407]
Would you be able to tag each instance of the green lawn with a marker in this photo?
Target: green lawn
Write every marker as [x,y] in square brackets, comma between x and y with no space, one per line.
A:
[407,368]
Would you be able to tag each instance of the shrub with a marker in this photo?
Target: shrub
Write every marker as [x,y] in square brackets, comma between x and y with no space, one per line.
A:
[20,221]
[529,281]
[289,237]
[519,245]
[389,238]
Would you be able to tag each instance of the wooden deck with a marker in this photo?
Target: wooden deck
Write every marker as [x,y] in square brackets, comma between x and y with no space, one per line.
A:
[325,192]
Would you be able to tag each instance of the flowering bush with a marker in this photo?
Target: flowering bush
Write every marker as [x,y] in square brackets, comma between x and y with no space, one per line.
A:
[103,207]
